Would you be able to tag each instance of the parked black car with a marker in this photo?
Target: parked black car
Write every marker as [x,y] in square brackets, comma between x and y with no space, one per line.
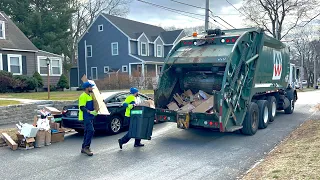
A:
[112,123]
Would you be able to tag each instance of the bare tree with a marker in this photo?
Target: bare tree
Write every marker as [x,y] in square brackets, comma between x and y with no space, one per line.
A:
[279,17]
[306,50]
[87,11]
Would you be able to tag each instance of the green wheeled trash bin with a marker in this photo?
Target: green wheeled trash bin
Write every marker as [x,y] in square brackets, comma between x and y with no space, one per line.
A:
[141,122]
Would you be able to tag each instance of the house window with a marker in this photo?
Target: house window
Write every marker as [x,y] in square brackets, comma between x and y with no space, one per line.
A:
[94,73]
[55,66]
[114,49]
[43,68]
[2,30]
[100,28]
[125,68]
[159,51]
[15,64]
[1,65]
[106,69]
[89,50]
[143,49]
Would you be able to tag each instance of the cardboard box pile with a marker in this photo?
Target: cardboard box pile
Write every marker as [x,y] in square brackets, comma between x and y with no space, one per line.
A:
[42,132]
[200,102]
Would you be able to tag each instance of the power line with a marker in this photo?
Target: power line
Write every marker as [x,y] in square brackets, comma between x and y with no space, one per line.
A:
[235,8]
[169,9]
[311,19]
[164,7]
[223,20]
[187,4]
[219,23]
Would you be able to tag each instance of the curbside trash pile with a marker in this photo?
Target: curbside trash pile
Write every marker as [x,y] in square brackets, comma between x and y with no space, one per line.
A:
[46,129]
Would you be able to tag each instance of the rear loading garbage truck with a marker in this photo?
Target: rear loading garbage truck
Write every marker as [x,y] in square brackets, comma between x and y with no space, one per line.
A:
[246,73]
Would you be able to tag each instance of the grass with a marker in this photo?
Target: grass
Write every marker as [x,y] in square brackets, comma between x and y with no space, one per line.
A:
[297,157]
[8,102]
[58,95]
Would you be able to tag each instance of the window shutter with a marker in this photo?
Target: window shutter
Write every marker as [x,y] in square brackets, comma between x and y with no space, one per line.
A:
[24,65]
[5,62]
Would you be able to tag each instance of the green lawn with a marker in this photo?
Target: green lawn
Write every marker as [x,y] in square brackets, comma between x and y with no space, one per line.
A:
[59,95]
[8,102]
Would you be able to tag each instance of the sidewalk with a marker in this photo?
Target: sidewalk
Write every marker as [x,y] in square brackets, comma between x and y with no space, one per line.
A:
[24,101]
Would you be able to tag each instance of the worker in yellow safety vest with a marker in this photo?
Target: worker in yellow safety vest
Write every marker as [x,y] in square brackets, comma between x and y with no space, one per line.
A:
[130,103]
[87,114]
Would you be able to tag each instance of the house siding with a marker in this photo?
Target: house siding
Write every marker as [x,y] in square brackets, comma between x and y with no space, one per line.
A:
[101,49]
[158,42]
[5,26]
[143,39]
[151,49]
[53,79]
[30,58]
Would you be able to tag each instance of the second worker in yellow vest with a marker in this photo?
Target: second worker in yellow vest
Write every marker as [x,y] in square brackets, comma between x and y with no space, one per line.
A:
[130,103]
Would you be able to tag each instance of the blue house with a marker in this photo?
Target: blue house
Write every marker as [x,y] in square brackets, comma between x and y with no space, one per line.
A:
[118,45]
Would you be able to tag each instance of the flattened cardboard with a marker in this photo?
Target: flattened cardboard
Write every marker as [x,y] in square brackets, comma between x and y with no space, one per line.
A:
[99,104]
[173,106]
[187,108]
[10,142]
[197,103]
[53,111]
[148,103]
[188,93]
[205,106]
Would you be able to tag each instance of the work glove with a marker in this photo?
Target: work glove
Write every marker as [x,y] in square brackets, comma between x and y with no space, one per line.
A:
[94,113]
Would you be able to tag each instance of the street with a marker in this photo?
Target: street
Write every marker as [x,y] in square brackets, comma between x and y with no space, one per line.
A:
[171,154]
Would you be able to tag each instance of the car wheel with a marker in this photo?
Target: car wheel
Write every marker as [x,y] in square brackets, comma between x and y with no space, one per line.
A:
[115,125]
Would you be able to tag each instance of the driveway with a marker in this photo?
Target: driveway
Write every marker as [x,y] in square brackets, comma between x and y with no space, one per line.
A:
[171,154]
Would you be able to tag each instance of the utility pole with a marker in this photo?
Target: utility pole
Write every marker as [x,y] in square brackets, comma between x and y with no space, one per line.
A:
[277,21]
[207,15]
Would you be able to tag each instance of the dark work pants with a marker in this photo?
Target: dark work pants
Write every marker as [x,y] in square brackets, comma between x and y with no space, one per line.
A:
[126,137]
[88,132]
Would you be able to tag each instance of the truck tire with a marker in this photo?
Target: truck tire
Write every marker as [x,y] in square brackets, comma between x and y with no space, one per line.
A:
[290,109]
[272,101]
[264,113]
[251,121]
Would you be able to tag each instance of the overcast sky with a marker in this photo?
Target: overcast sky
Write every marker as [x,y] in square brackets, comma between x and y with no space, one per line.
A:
[152,15]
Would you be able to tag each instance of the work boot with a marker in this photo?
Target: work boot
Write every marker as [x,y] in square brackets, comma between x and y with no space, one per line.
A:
[120,143]
[87,151]
[139,145]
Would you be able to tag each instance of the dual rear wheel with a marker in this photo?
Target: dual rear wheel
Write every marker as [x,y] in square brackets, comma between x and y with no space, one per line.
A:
[259,114]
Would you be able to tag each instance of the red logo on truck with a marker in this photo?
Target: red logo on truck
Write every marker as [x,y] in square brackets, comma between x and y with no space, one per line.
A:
[277,65]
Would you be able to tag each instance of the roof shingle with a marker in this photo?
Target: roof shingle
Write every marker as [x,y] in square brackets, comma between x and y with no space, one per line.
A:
[15,39]
[134,29]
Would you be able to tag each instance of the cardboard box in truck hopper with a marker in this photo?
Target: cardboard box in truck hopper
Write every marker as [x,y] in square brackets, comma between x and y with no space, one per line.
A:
[205,106]
[99,104]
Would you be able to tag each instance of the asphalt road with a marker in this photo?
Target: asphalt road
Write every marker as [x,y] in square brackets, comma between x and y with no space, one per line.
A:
[171,154]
